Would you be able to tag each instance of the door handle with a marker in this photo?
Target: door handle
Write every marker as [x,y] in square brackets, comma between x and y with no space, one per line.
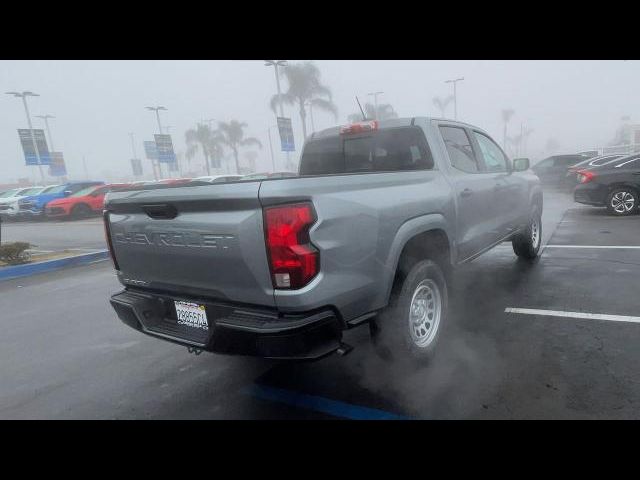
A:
[467,192]
[160,211]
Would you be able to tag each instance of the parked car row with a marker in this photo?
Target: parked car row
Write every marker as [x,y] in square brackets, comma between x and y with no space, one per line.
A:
[76,200]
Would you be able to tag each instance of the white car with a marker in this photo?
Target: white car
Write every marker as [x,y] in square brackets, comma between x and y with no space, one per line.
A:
[218,178]
[9,199]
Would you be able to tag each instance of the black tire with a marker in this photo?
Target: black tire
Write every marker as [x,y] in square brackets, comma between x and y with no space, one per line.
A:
[392,333]
[526,244]
[81,211]
[622,201]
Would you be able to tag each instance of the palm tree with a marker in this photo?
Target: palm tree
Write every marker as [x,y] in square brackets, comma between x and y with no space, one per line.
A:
[232,135]
[442,103]
[385,111]
[304,86]
[507,113]
[202,138]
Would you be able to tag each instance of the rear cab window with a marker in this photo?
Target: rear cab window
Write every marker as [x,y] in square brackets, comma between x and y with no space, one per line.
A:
[386,150]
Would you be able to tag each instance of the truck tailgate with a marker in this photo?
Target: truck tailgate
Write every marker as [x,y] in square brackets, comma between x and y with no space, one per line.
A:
[197,241]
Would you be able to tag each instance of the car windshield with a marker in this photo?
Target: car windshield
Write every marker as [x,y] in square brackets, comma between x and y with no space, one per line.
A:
[58,189]
[10,193]
[85,191]
[33,191]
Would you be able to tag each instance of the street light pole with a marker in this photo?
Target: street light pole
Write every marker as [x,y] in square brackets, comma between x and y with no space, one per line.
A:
[276,64]
[46,123]
[24,96]
[313,125]
[273,160]
[375,101]
[157,110]
[455,96]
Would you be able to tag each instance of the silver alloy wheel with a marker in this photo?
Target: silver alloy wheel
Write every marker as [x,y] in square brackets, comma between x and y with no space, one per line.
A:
[623,202]
[535,232]
[424,313]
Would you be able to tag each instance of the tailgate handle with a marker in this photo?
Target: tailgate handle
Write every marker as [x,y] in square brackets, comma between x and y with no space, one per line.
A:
[160,211]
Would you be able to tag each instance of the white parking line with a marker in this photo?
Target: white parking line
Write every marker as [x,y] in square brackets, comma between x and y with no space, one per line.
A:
[595,246]
[560,313]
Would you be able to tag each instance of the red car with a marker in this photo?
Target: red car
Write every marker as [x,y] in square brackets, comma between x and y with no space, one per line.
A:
[83,203]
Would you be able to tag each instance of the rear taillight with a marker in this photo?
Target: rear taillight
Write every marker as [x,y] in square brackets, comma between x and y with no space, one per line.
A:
[359,127]
[585,176]
[293,260]
[107,234]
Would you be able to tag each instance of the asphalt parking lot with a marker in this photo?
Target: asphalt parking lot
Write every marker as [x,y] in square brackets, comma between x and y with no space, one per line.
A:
[514,347]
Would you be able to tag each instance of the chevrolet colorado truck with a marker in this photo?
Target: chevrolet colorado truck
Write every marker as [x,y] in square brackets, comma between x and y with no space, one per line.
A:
[368,233]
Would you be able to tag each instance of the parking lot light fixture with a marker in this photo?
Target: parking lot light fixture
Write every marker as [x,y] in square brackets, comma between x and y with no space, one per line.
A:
[46,123]
[455,95]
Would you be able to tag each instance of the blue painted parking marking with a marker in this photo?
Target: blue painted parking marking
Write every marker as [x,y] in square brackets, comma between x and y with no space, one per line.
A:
[320,404]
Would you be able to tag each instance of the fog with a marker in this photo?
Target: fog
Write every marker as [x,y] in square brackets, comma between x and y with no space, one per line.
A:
[566,105]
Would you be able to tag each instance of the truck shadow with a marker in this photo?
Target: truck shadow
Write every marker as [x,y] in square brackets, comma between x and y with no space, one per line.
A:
[463,380]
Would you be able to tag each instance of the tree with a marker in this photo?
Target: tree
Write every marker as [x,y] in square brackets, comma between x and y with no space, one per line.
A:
[203,139]
[304,86]
[232,135]
[507,113]
[442,103]
[385,111]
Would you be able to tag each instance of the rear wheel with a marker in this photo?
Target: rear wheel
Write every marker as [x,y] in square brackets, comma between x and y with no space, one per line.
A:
[410,326]
[622,201]
[81,211]
[526,244]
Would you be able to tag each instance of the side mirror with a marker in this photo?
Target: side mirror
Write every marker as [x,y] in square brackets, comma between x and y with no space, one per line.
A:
[520,164]
[67,193]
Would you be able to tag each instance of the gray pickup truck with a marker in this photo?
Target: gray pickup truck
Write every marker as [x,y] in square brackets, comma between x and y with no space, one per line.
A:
[368,233]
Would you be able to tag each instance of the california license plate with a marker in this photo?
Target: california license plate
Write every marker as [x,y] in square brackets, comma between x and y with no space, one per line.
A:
[192,315]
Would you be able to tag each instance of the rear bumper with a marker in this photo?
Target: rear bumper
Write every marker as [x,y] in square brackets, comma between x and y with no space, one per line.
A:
[233,329]
[590,194]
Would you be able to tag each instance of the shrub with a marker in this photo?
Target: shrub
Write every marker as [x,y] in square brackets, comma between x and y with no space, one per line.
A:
[15,253]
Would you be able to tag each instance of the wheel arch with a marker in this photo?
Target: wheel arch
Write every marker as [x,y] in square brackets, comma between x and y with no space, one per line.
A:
[427,236]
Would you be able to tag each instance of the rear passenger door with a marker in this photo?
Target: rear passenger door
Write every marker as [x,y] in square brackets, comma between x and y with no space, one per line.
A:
[509,190]
[474,192]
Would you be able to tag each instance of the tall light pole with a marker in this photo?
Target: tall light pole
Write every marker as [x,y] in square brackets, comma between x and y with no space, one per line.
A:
[313,125]
[375,102]
[455,96]
[157,110]
[46,123]
[273,160]
[276,64]
[24,96]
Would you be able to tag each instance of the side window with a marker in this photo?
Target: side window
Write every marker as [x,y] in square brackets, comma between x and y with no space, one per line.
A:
[494,159]
[75,188]
[459,149]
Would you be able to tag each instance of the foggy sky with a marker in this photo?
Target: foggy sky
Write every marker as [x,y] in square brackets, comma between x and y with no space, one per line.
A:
[96,103]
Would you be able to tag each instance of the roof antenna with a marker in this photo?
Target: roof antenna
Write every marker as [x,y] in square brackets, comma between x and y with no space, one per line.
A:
[364,117]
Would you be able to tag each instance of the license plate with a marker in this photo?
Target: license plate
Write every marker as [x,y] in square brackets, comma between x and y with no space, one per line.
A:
[192,315]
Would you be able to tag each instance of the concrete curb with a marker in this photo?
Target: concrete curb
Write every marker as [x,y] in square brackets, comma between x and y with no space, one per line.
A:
[17,271]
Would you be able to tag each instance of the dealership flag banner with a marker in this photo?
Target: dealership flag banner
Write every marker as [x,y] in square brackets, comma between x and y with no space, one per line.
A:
[286,134]
[165,149]
[30,155]
[150,150]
